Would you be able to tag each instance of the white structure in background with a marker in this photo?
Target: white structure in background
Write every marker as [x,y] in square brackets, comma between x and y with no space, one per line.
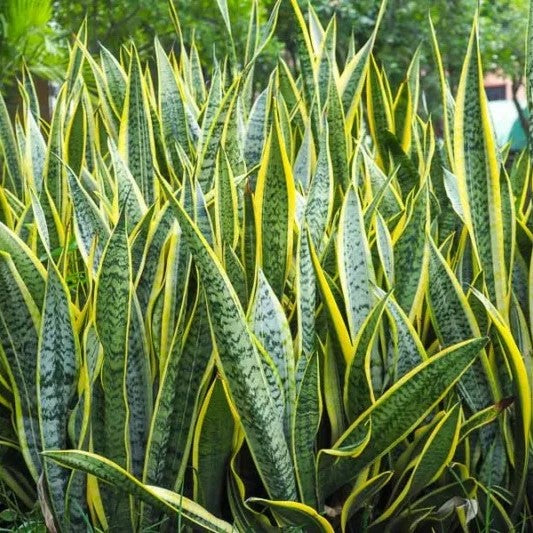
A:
[505,118]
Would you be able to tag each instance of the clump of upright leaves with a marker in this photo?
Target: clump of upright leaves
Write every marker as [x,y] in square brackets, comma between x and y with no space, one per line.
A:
[225,307]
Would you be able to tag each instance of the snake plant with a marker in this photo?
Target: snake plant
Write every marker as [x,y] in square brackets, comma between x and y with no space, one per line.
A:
[234,307]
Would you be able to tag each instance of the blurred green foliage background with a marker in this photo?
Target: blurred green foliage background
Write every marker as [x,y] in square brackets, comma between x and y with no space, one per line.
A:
[37,33]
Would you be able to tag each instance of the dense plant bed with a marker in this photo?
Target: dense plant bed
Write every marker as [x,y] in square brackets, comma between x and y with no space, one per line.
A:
[229,307]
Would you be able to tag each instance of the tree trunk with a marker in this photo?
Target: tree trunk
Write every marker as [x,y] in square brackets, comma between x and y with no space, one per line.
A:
[14,101]
[42,87]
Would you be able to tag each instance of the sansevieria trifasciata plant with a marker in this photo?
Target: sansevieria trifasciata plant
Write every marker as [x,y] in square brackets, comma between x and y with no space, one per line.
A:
[234,307]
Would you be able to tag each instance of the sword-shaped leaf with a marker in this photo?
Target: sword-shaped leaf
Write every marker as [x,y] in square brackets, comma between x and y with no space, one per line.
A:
[410,255]
[226,206]
[138,388]
[10,151]
[522,421]
[338,143]
[352,80]
[90,228]
[171,503]
[213,442]
[241,365]
[358,390]
[115,80]
[305,296]
[356,272]
[269,324]
[58,360]
[129,195]
[478,175]
[30,269]
[334,313]
[305,423]
[177,400]
[319,203]
[136,136]
[212,135]
[406,345]
[454,321]
[275,207]
[35,152]
[112,320]
[171,106]
[256,130]
[380,118]
[19,323]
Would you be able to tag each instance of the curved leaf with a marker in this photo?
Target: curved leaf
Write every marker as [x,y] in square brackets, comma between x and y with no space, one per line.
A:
[400,410]
[296,514]
[174,504]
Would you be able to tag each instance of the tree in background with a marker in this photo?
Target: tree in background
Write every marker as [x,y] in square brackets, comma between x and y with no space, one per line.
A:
[35,30]
[405,26]
[29,37]
[504,29]
[114,22]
